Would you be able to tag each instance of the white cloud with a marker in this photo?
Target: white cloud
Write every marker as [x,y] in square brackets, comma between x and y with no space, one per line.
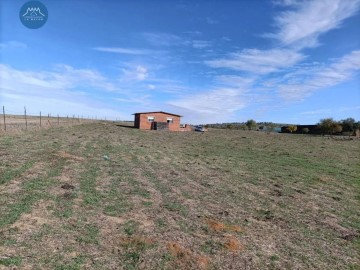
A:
[63,77]
[258,61]
[285,2]
[302,83]
[200,44]
[315,112]
[138,73]
[219,101]
[328,112]
[211,21]
[193,33]
[143,99]
[302,27]
[13,45]
[235,81]
[55,92]
[163,39]
[119,50]
[167,40]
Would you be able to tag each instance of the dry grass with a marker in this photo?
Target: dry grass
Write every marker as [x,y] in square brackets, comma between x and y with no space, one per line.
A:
[17,124]
[101,196]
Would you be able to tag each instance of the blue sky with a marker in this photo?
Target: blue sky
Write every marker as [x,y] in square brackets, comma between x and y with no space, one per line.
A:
[284,61]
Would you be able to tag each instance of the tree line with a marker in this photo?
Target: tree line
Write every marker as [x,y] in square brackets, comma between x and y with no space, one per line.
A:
[327,126]
[330,126]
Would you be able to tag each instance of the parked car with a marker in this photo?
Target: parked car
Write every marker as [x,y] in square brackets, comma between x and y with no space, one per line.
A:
[199,129]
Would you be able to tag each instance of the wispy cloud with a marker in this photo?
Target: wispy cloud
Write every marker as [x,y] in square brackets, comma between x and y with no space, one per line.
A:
[211,21]
[303,82]
[132,51]
[200,44]
[316,112]
[218,101]
[137,73]
[13,45]
[258,61]
[331,111]
[143,100]
[58,91]
[162,39]
[285,2]
[302,26]
[61,77]
[235,81]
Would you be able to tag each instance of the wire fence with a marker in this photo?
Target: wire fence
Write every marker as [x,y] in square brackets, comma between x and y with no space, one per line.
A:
[12,121]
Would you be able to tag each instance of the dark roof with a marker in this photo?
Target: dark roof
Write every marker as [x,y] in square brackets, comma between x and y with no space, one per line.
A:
[158,112]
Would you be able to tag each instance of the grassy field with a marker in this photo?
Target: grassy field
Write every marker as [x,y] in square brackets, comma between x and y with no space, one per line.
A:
[18,123]
[101,196]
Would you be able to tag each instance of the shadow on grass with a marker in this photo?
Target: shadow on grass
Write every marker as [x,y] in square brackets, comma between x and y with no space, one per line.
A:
[125,126]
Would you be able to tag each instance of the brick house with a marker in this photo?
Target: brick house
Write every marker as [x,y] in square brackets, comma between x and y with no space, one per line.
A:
[158,121]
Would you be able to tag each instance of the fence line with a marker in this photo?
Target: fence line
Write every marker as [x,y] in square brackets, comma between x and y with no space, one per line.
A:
[15,121]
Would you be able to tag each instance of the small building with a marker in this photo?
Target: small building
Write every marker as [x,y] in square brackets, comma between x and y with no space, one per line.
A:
[158,121]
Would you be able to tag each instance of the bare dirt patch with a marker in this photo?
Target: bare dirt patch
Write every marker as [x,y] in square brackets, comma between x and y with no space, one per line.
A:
[185,258]
[69,156]
[31,222]
[37,170]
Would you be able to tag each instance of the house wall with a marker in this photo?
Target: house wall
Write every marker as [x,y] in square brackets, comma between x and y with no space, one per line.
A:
[137,121]
[159,117]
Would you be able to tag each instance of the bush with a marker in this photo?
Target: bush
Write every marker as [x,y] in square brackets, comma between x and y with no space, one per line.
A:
[292,128]
[305,130]
[251,124]
[329,126]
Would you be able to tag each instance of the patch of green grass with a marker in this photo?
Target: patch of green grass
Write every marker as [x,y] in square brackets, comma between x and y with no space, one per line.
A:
[117,207]
[131,260]
[89,235]
[131,227]
[211,246]
[33,190]
[46,229]
[7,141]
[63,209]
[161,223]
[13,173]
[354,267]
[142,192]
[176,207]
[274,258]
[186,226]
[16,261]
[147,203]
[91,196]
[16,209]
[75,264]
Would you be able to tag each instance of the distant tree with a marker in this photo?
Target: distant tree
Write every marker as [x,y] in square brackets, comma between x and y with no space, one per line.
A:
[305,130]
[348,124]
[270,127]
[357,125]
[329,126]
[292,128]
[251,124]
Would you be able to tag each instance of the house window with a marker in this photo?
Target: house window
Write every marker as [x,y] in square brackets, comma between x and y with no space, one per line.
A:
[151,118]
[169,120]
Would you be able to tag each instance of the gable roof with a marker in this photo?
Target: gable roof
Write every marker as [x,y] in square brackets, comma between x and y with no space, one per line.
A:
[157,112]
